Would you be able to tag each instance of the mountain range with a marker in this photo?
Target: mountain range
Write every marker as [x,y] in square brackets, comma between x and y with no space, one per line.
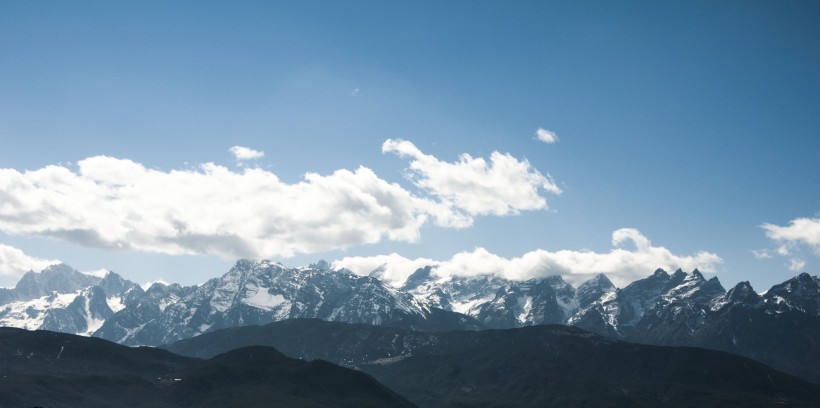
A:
[780,328]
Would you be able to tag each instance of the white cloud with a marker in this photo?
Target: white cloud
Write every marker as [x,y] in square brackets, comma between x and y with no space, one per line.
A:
[99,273]
[395,268]
[504,186]
[762,254]
[245,153]
[116,203]
[546,136]
[796,264]
[801,232]
[148,284]
[621,265]
[14,263]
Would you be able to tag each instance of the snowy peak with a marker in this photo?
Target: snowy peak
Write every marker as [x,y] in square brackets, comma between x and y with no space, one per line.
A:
[262,292]
[742,293]
[616,313]
[593,289]
[417,278]
[115,286]
[59,278]
[691,287]
[536,301]
[801,293]
[600,280]
[503,303]
[321,265]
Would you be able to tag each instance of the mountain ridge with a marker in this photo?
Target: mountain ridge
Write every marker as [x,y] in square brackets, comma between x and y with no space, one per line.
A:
[544,365]
[678,309]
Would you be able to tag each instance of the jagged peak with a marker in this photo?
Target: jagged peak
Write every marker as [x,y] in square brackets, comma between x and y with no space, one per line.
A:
[247,265]
[696,273]
[803,280]
[111,275]
[554,279]
[58,268]
[660,273]
[676,279]
[267,263]
[599,280]
[244,264]
[745,285]
[742,293]
[418,277]
[321,265]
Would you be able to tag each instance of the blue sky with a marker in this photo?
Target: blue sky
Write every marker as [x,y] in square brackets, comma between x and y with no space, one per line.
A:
[693,123]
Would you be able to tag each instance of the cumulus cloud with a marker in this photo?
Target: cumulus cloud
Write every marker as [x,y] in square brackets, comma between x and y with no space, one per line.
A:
[113,203]
[800,233]
[472,186]
[14,264]
[245,153]
[621,264]
[546,136]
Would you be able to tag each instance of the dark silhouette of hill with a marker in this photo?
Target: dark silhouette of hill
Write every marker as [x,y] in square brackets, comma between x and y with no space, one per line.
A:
[534,366]
[48,369]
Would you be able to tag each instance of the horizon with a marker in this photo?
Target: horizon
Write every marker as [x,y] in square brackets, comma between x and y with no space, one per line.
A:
[165,141]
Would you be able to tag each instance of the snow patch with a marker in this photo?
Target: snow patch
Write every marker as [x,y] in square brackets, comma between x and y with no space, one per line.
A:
[525,303]
[115,303]
[469,307]
[261,298]
[29,314]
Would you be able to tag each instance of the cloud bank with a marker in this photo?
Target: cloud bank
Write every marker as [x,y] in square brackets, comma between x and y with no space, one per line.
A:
[114,203]
[620,264]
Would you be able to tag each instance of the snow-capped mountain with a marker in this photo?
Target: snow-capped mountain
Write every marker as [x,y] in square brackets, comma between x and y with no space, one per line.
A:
[58,278]
[801,293]
[616,312]
[62,299]
[501,303]
[140,309]
[458,294]
[686,302]
[781,328]
[592,290]
[535,301]
[663,309]
[263,292]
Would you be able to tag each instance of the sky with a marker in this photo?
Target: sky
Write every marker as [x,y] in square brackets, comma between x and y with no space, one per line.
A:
[166,140]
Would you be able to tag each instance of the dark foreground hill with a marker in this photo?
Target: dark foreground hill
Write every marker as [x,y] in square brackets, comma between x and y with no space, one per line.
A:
[48,369]
[527,367]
